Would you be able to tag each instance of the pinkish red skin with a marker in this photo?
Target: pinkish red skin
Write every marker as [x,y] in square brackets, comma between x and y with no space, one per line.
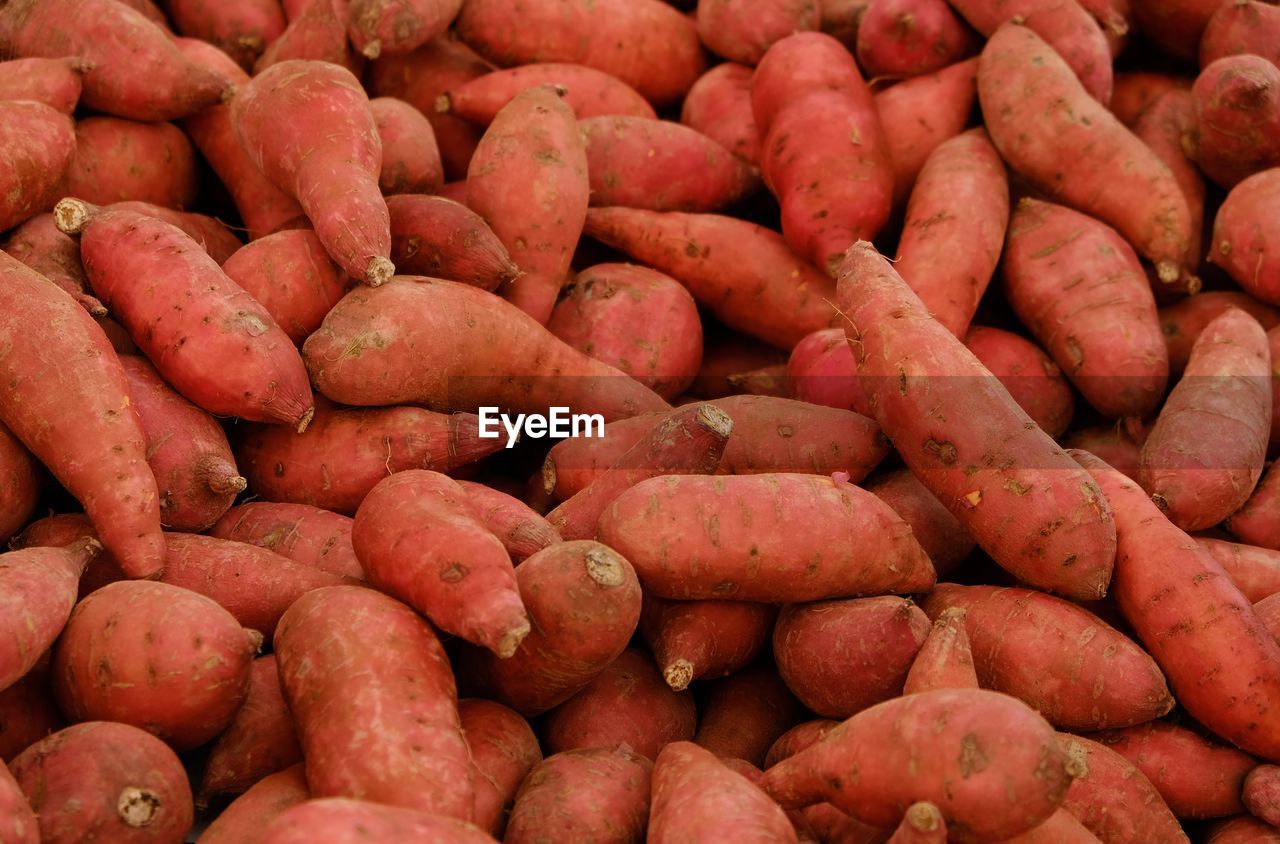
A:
[1195,776]
[704,640]
[292,277]
[441,238]
[40,145]
[1060,828]
[1162,126]
[1112,797]
[743,274]
[1262,793]
[528,180]
[941,535]
[223,351]
[27,712]
[642,322]
[945,659]
[1242,27]
[589,92]
[821,371]
[56,82]
[242,28]
[583,601]
[374,701]
[1080,673]
[1080,289]
[38,588]
[346,821]
[17,821]
[504,750]
[105,781]
[1175,25]
[260,741]
[646,43]
[308,535]
[1244,829]
[213,236]
[398,26]
[1182,322]
[318,33]
[1136,90]
[1116,444]
[410,157]
[626,706]
[520,529]
[719,106]
[1032,378]
[156,656]
[918,114]
[1255,571]
[841,17]
[1256,522]
[904,38]
[38,244]
[1268,610]
[1273,345]
[138,73]
[765,381]
[247,815]
[637,162]
[1190,591]
[78,421]
[1244,243]
[334,174]
[595,794]
[1200,475]
[346,451]
[697,798]
[65,529]
[21,483]
[118,160]
[742,30]
[1236,129]
[419,78]
[745,713]
[840,657]
[955,227]
[797,738]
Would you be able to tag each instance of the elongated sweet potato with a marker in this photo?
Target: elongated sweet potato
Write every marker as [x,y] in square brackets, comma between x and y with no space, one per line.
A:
[1244,242]
[78,420]
[240,28]
[503,750]
[56,82]
[746,712]
[939,533]
[1120,180]
[28,712]
[903,38]
[398,26]
[945,659]
[703,640]
[1255,571]
[410,157]
[1182,322]
[589,92]
[318,33]
[719,106]
[742,30]
[1241,27]
[59,531]
[1242,829]
[437,237]
[213,236]
[260,741]
[346,821]
[119,160]
[333,174]
[516,525]
[105,781]
[528,180]
[305,534]
[38,244]
[20,484]
[292,277]
[1030,376]
[244,820]
[1113,799]
[917,374]
[798,738]
[596,794]
[1236,132]
[40,143]
[258,374]
[696,798]
[1162,126]
[38,590]
[137,72]
[840,657]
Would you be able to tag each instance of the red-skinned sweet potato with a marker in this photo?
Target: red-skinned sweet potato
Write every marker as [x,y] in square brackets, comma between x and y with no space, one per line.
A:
[1161,127]
[344,821]
[1113,799]
[719,106]
[305,534]
[1136,90]
[1255,571]
[260,741]
[438,237]
[56,82]
[318,33]
[245,818]
[903,38]
[821,371]
[742,30]
[1119,444]
[745,713]
[1255,523]
[595,794]
[1242,829]
[410,157]
[923,823]
[213,236]
[1182,322]
[1175,25]
[292,277]
[503,750]
[589,92]
[59,531]
[703,640]
[766,381]
[798,738]
[1236,130]
[522,531]
[41,145]
[945,659]
[697,798]
[20,484]
[1262,793]
[38,589]
[38,244]
[840,18]
[119,160]
[1030,376]
[398,26]
[1242,26]
[939,533]
[28,712]
[240,28]
[1244,244]
[17,821]
[105,781]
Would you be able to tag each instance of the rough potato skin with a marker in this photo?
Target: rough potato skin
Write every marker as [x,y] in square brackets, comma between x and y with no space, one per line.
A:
[214,237]
[317,33]
[37,592]
[703,640]
[746,712]
[1182,322]
[1113,799]
[345,821]
[595,794]
[1246,242]
[904,38]
[1236,131]
[1262,793]
[56,82]
[41,246]
[290,275]
[374,700]
[40,146]
[245,818]
[410,157]
[20,485]
[1032,378]
[1162,126]
[1015,491]
[945,660]
[939,533]
[1254,570]
[589,92]
[437,237]
[398,26]
[305,534]
[1041,119]
[259,742]
[504,750]
[742,30]
[520,528]
[696,797]
[1255,522]
[719,106]
[1242,27]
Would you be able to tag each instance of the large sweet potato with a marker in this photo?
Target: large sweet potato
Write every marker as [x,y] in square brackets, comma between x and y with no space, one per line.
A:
[503,751]
[292,277]
[259,742]
[597,794]
[702,640]
[589,92]
[697,798]
[437,237]
[305,534]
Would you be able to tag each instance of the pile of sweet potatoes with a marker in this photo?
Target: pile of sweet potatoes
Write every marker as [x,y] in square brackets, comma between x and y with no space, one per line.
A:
[826,421]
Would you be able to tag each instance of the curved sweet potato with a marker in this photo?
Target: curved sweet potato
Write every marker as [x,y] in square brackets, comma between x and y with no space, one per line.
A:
[398,26]
[696,797]
[437,237]
[38,244]
[939,533]
[260,741]
[1182,322]
[118,160]
[520,529]
[1113,799]
[305,534]
[242,28]
[41,146]
[719,106]
[245,818]
[56,82]
[292,277]
[589,92]
[945,659]
[503,750]
[703,640]
[38,590]
[410,157]
[1162,126]
[1255,571]
[213,236]
[595,794]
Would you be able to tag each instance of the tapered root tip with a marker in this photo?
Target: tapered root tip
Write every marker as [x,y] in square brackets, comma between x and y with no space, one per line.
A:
[380,270]
[305,420]
[1168,272]
[255,638]
[714,420]
[70,215]
[923,817]
[372,50]
[443,104]
[90,547]
[228,94]
[137,807]
[951,614]
[605,567]
[548,475]
[511,640]
[227,484]
[678,674]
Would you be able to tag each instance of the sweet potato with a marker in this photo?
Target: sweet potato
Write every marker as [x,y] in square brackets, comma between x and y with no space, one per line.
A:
[518,527]
[1031,378]
[626,706]
[1262,793]
[918,114]
[1080,289]
[20,484]
[117,159]
[410,157]
[1118,444]
[398,26]
[1162,127]
[741,30]
[28,712]
[939,533]
[903,38]
[105,781]
[917,374]
[156,656]
[1175,25]
[697,798]
[59,531]
[528,180]
[1196,777]
[1182,322]
[642,322]
[17,821]
[428,341]
[334,174]
[78,420]
[38,244]
[745,713]
[596,794]
[1243,829]
[1113,799]
[38,590]
[437,237]
[945,659]
[841,17]
[1236,131]
[589,92]
[137,71]
[1060,828]
[318,33]
[1136,90]
[503,750]
[1244,241]
[990,763]
[417,539]
[719,106]
[766,381]
[1268,611]
[1187,614]
[742,273]
[241,28]
[243,821]
[703,640]
[798,738]
[726,352]
[1255,571]
[346,451]
[213,236]
[638,162]
[821,371]
[305,534]
[346,821]
[1198,471]
[56,82]
[40,146]
[645,43]
[1118,179]
[733,544]
[1242,26]
[258,374]
[840,657]
[260,741]
[1255,523]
